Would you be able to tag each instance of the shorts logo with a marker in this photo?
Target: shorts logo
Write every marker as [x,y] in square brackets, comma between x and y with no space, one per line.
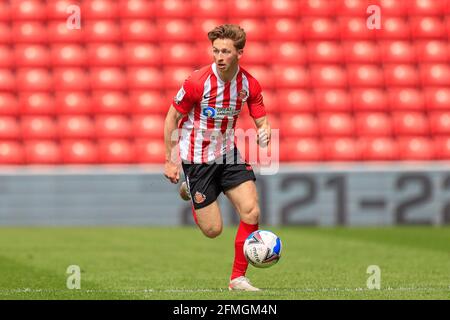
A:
[243,95]
[209,112]
[199,197]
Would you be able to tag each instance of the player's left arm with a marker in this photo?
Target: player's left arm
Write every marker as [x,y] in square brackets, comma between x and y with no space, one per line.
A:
[258,112]
[264,130]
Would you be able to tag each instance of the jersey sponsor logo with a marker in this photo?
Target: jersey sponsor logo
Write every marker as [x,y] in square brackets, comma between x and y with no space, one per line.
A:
[180,95]
[209,112]
[199,197]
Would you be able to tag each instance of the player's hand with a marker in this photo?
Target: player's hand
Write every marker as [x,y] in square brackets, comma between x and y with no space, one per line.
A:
[172,172]
[264,136]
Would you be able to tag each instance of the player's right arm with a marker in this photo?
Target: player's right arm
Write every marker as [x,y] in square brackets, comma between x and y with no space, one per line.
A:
[171,168]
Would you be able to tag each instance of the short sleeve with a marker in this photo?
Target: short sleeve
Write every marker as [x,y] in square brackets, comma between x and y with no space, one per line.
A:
[255,101]
[186,97]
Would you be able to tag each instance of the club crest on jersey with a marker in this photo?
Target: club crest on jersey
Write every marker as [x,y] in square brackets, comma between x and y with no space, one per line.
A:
[199,197]
[209,112]
[243,95]
[180,95]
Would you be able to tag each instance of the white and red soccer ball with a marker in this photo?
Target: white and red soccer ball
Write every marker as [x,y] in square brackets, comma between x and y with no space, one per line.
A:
[262,249]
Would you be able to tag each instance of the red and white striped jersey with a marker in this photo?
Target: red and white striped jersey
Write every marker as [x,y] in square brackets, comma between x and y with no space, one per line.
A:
[212,107]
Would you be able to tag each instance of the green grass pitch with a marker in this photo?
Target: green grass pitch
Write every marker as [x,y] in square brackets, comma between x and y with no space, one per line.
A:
[180,263]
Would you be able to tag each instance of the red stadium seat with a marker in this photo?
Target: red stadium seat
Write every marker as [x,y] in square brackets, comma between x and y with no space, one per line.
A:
[255,53]
[318,8]
[29,32]
[369,100]
[5,33]
[440,123]
[141,30]
[175,29]
[116,151]
[28,10]
[426,7]
[105,54]
[11,152]
[410,123]
[435,74]
[32,56]
[7,80]
[73,79]
[5,11]
[110,102]
[142,54]
[201,27]
[100,9]
[246,8]
[296,101]
[174,77]
[150,151]
[38,127]
[266,77]
[183,54]
[6,57]
[290,77]
[407,99]
[137,9]
[320,29]
[351,8]
[108,79]
[42,152]
[38,79]
[365,75]
[210,9]
[401,75]
[378,149]
[394,7]
[102,31]
[68,55]
[79,152]
[76,127]
[428,28]
[204,53]
[361,52]
[336,124]
[9,105]
[441,148]
[373,124]
[73,103]
[37,103]
[59,33]
[415,148]
[299,125]
[341,149]
[9,128]
[57,9]
[173,8]
[145,78]
[303,149]
[113,126]
[438,98]
[148,126]
[282,8]
[398,52]
[258,29]
[328,76]
[287,53]
[394,28]
[433,51]
[355,28]
[148,102]
[333,100]
[325,52]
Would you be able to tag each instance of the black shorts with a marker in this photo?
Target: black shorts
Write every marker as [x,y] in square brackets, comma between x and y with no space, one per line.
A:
[207,180]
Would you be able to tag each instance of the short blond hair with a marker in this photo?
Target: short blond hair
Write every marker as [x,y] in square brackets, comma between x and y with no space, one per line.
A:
[229,31]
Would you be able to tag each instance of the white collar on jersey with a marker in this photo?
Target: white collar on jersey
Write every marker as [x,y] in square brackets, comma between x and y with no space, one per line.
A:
[214,69]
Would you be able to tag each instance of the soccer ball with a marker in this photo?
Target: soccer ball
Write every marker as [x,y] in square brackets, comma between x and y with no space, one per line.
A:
[262,249]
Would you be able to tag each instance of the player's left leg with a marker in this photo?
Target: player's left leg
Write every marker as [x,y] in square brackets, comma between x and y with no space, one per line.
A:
[245,199]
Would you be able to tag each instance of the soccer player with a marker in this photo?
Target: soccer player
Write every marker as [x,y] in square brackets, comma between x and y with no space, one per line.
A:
[204,113]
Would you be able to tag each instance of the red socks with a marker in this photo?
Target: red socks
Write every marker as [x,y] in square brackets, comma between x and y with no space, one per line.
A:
[240,263]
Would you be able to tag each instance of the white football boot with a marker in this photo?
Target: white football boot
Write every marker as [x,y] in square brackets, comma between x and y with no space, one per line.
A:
[184,191]
[242,284]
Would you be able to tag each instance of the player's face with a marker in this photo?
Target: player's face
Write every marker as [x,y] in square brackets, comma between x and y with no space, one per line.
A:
[226,56]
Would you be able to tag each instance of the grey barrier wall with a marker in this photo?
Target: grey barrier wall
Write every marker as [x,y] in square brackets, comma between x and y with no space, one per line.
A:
[304,194]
